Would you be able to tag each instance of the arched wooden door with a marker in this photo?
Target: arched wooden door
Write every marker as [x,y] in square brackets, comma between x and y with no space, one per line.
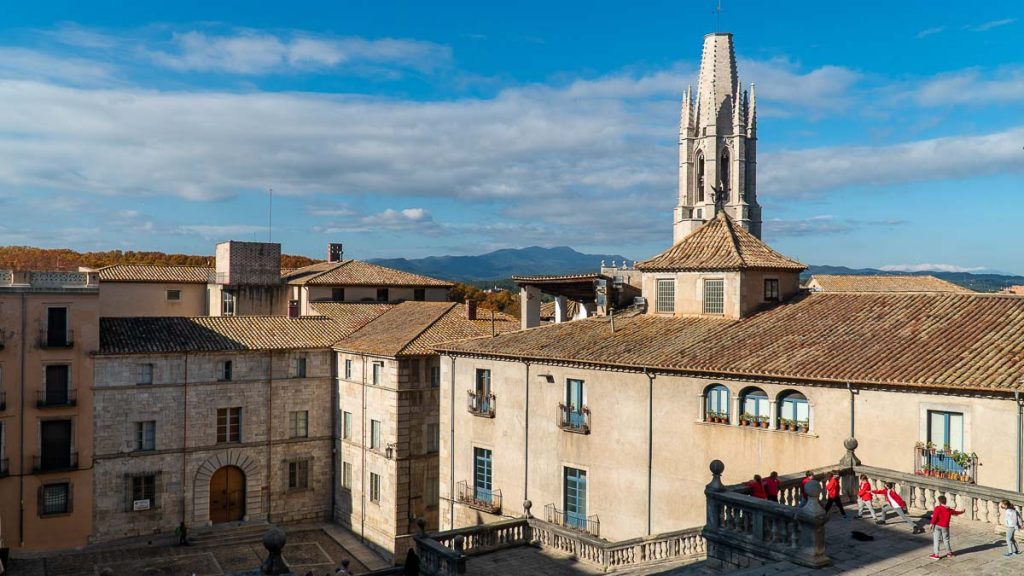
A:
[227,495]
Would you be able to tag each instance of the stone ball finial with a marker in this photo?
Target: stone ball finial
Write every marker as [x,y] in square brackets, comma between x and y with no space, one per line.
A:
[717,467]
[421,524]
[850,444]
[526,508]
[274,541]
[108,571]
[460,542]
[813,490]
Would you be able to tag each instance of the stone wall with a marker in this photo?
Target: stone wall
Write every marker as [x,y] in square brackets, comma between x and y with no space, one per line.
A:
[187,453]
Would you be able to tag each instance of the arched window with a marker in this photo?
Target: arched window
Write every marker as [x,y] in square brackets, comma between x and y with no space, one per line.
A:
[716,404]
[794,412]
[725,172]
[754,408]
[699,180]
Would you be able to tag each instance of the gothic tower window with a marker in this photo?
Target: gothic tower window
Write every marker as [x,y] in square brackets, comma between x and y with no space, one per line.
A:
[725,172]
[700,177]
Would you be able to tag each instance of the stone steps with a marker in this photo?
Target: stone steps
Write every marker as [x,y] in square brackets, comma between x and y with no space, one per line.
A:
[226,535]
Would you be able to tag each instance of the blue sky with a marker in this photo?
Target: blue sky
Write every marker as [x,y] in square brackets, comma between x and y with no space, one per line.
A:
[890,134]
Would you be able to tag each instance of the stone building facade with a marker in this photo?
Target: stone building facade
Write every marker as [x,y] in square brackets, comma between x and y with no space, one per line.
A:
[389,381]
[234,425]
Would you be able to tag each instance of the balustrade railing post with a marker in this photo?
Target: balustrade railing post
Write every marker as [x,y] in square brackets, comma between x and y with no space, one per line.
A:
[848,482]
[811,517]
[713,507]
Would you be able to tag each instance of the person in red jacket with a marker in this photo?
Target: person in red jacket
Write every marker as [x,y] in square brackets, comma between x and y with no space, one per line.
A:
[895,501]
[808,476]
[832,494]
[756,487]
[940,527]
[865,498]
[771,486]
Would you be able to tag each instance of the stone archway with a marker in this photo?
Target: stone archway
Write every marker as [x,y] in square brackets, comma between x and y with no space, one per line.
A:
[249,468]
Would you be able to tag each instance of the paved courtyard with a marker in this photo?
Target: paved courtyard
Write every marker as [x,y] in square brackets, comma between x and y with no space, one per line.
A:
[894,550]
[307,550]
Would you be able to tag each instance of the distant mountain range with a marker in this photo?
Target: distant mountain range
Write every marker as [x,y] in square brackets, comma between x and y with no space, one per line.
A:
[502,264]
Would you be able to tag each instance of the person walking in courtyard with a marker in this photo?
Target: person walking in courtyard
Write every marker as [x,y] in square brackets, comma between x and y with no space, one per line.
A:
[895,501]
[808,476]
[865,499]
[939,527]
[756,487]
[1013,522]
[832,494]
[771,486]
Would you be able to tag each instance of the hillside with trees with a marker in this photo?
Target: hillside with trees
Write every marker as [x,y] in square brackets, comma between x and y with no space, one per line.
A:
[30,258]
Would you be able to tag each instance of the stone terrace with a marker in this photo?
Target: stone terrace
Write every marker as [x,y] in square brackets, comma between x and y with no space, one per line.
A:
[893,551]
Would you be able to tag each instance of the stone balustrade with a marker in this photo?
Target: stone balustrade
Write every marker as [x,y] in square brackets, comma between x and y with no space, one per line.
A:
[742,530]
[487,537]
[922,492]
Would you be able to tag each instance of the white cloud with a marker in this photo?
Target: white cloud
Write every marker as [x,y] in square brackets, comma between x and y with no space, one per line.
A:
[971,86]
[930,31]
[817,170]
[250,52]
[931,268]
[986,26]
[223,232]
[781,84]
[416,220]
[28,64]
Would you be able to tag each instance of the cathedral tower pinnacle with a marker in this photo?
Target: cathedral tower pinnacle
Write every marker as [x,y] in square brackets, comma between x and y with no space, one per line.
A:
[717,145]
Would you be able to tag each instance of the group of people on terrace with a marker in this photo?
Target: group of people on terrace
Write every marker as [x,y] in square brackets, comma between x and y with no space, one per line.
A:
[769,488]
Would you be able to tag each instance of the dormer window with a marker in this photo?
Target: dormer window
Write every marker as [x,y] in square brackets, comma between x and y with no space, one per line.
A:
[714,296]
[771,290]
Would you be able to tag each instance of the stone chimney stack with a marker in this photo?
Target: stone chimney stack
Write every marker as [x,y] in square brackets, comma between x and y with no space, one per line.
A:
[335,252]
[470,309]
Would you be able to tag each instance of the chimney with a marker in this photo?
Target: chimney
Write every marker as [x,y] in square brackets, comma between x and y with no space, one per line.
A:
[470,309]
[335,252]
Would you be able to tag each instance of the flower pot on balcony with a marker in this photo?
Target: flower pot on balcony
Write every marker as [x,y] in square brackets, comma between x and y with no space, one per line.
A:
[764,424]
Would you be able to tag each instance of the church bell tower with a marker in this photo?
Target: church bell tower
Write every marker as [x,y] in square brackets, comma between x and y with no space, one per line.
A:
[717,145]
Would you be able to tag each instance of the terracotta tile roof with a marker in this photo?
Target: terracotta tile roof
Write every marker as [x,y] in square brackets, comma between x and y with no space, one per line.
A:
[720,245]
[414,328]
[547,309]
[142,273]
[939,340]
[158,335]
[358,273]
[881,283]
[555,278]
[351,316]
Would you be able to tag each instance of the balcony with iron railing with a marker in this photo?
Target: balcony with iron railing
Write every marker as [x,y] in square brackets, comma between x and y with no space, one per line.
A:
[572,520]
[59,398]
[59,462]
[483,499]
[574,419]
[56,338]
[480,404]
[945,463]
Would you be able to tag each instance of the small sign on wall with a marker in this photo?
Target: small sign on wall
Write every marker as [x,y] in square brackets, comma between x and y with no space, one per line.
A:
[138,505]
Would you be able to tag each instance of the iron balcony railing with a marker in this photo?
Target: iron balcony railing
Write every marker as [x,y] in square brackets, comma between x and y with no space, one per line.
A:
[580,522]
[574,419]
[57,398]
[945,463]
[56,338]
[55,462]
[480,404]
[485,499]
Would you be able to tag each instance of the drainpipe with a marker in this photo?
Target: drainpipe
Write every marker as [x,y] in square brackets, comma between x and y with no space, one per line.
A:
[21,425]
[1020,434]
[853,394]
[362,466]
[184,443]
[650,442]
[526,436]
[451,454]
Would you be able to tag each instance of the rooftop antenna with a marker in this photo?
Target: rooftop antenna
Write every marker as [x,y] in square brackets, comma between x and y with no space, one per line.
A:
[270,214]
[718,16]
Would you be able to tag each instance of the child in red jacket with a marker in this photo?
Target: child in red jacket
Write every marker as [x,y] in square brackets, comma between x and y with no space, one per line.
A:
[895,501]
[756,487]
[865,498]
[940,527]
[832,494]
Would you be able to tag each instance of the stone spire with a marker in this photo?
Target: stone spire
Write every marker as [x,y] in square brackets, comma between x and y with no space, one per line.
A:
[717,153]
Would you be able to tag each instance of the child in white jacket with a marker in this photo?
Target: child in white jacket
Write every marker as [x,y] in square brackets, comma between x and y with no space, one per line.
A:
[1012,521]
